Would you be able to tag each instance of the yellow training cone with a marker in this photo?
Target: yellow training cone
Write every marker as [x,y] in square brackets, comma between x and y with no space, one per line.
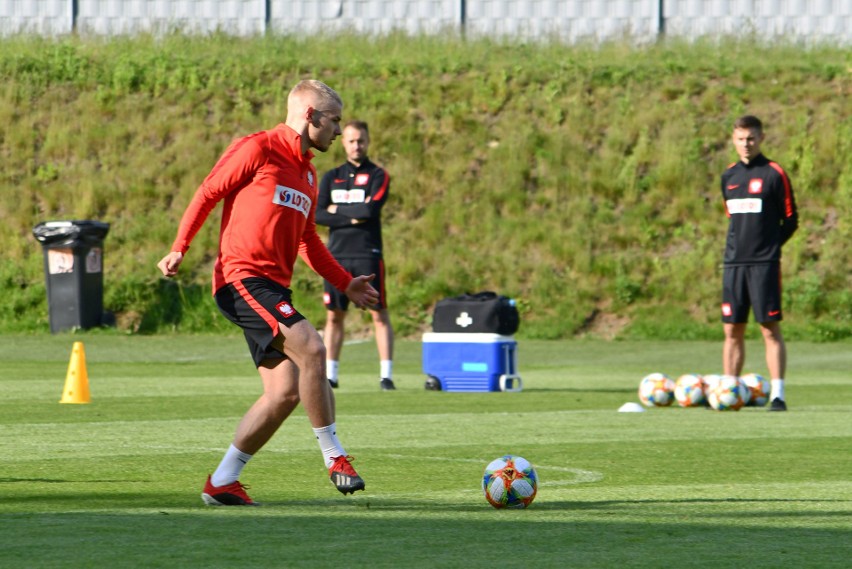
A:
[77,380]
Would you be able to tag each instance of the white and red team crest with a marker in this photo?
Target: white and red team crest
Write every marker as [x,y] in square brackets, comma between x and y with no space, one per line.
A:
[286,309]
[310,178]
[362,179]
[326,298]
[726,309]
[755,186]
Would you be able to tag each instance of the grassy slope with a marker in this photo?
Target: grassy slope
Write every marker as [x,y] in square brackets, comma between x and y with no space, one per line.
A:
[582,181]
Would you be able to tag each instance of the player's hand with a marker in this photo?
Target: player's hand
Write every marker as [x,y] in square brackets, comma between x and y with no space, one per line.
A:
[170,263]
[361,292]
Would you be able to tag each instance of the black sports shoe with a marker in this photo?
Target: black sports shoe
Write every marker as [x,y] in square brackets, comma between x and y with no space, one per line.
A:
[777,405]
[387,385]
[343,476]
[333,383]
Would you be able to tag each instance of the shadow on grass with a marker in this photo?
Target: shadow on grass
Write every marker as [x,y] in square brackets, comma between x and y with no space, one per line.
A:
[576,390]
[34,480]
[113,501]
[63,481]
[418,534]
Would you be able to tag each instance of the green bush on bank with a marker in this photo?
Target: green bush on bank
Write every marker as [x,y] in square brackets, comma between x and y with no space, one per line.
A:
[582,180]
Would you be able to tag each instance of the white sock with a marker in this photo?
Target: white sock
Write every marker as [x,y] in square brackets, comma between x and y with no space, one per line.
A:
[329,444]
[331,367]
[230,468]
[386,369]
[776,390]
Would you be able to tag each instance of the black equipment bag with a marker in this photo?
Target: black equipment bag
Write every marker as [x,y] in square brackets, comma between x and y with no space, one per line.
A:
[480,312]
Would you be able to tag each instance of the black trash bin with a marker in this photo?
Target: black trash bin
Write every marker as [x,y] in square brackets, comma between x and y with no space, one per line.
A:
[73,267]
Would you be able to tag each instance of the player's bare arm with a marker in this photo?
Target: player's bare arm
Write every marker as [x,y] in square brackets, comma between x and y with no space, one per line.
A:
[361,292]
[170,263]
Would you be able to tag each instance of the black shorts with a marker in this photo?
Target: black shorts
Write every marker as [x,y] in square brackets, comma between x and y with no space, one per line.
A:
[257,306]
[336,300]
[751,286]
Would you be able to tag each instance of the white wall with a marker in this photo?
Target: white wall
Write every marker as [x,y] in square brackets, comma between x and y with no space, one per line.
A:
[568,20]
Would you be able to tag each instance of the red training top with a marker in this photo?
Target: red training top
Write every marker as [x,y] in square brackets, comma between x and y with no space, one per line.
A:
[270,193]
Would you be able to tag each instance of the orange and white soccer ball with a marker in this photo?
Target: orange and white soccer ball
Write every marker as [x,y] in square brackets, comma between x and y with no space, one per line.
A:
[710,381]
[510,482]
[727,394]
[689,390]
[656,390]
[758,387]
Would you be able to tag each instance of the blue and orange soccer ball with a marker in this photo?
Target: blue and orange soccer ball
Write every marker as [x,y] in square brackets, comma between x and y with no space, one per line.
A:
[728,394]
[510,482]
[656,390]
[689,390]
[759,389]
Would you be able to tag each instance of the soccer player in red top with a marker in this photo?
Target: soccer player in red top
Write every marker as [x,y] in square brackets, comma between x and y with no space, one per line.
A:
[762,210]
[269,188]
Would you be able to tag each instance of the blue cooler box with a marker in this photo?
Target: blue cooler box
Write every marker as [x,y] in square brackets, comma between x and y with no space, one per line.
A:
[471,362]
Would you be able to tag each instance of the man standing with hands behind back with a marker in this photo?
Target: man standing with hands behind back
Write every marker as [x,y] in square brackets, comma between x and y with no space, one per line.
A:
[350,203]
[762,210]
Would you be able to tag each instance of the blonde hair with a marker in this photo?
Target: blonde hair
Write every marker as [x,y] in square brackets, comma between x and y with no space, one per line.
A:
[313,90]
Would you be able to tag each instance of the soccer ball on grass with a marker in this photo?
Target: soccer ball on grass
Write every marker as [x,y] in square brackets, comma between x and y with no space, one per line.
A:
[727,394]
[689,390]
[758,387]
[711,380]
[745,391]
[510,482]
[656,390]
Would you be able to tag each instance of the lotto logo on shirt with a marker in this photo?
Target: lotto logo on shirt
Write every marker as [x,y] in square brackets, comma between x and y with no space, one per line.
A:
[747,205]
[291,198]
[348,196]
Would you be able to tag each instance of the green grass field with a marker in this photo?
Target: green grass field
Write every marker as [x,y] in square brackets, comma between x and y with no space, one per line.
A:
[116,483]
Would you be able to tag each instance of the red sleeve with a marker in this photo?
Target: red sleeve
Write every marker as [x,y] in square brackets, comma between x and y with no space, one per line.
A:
[313,251]
[790,213]
[236,166]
